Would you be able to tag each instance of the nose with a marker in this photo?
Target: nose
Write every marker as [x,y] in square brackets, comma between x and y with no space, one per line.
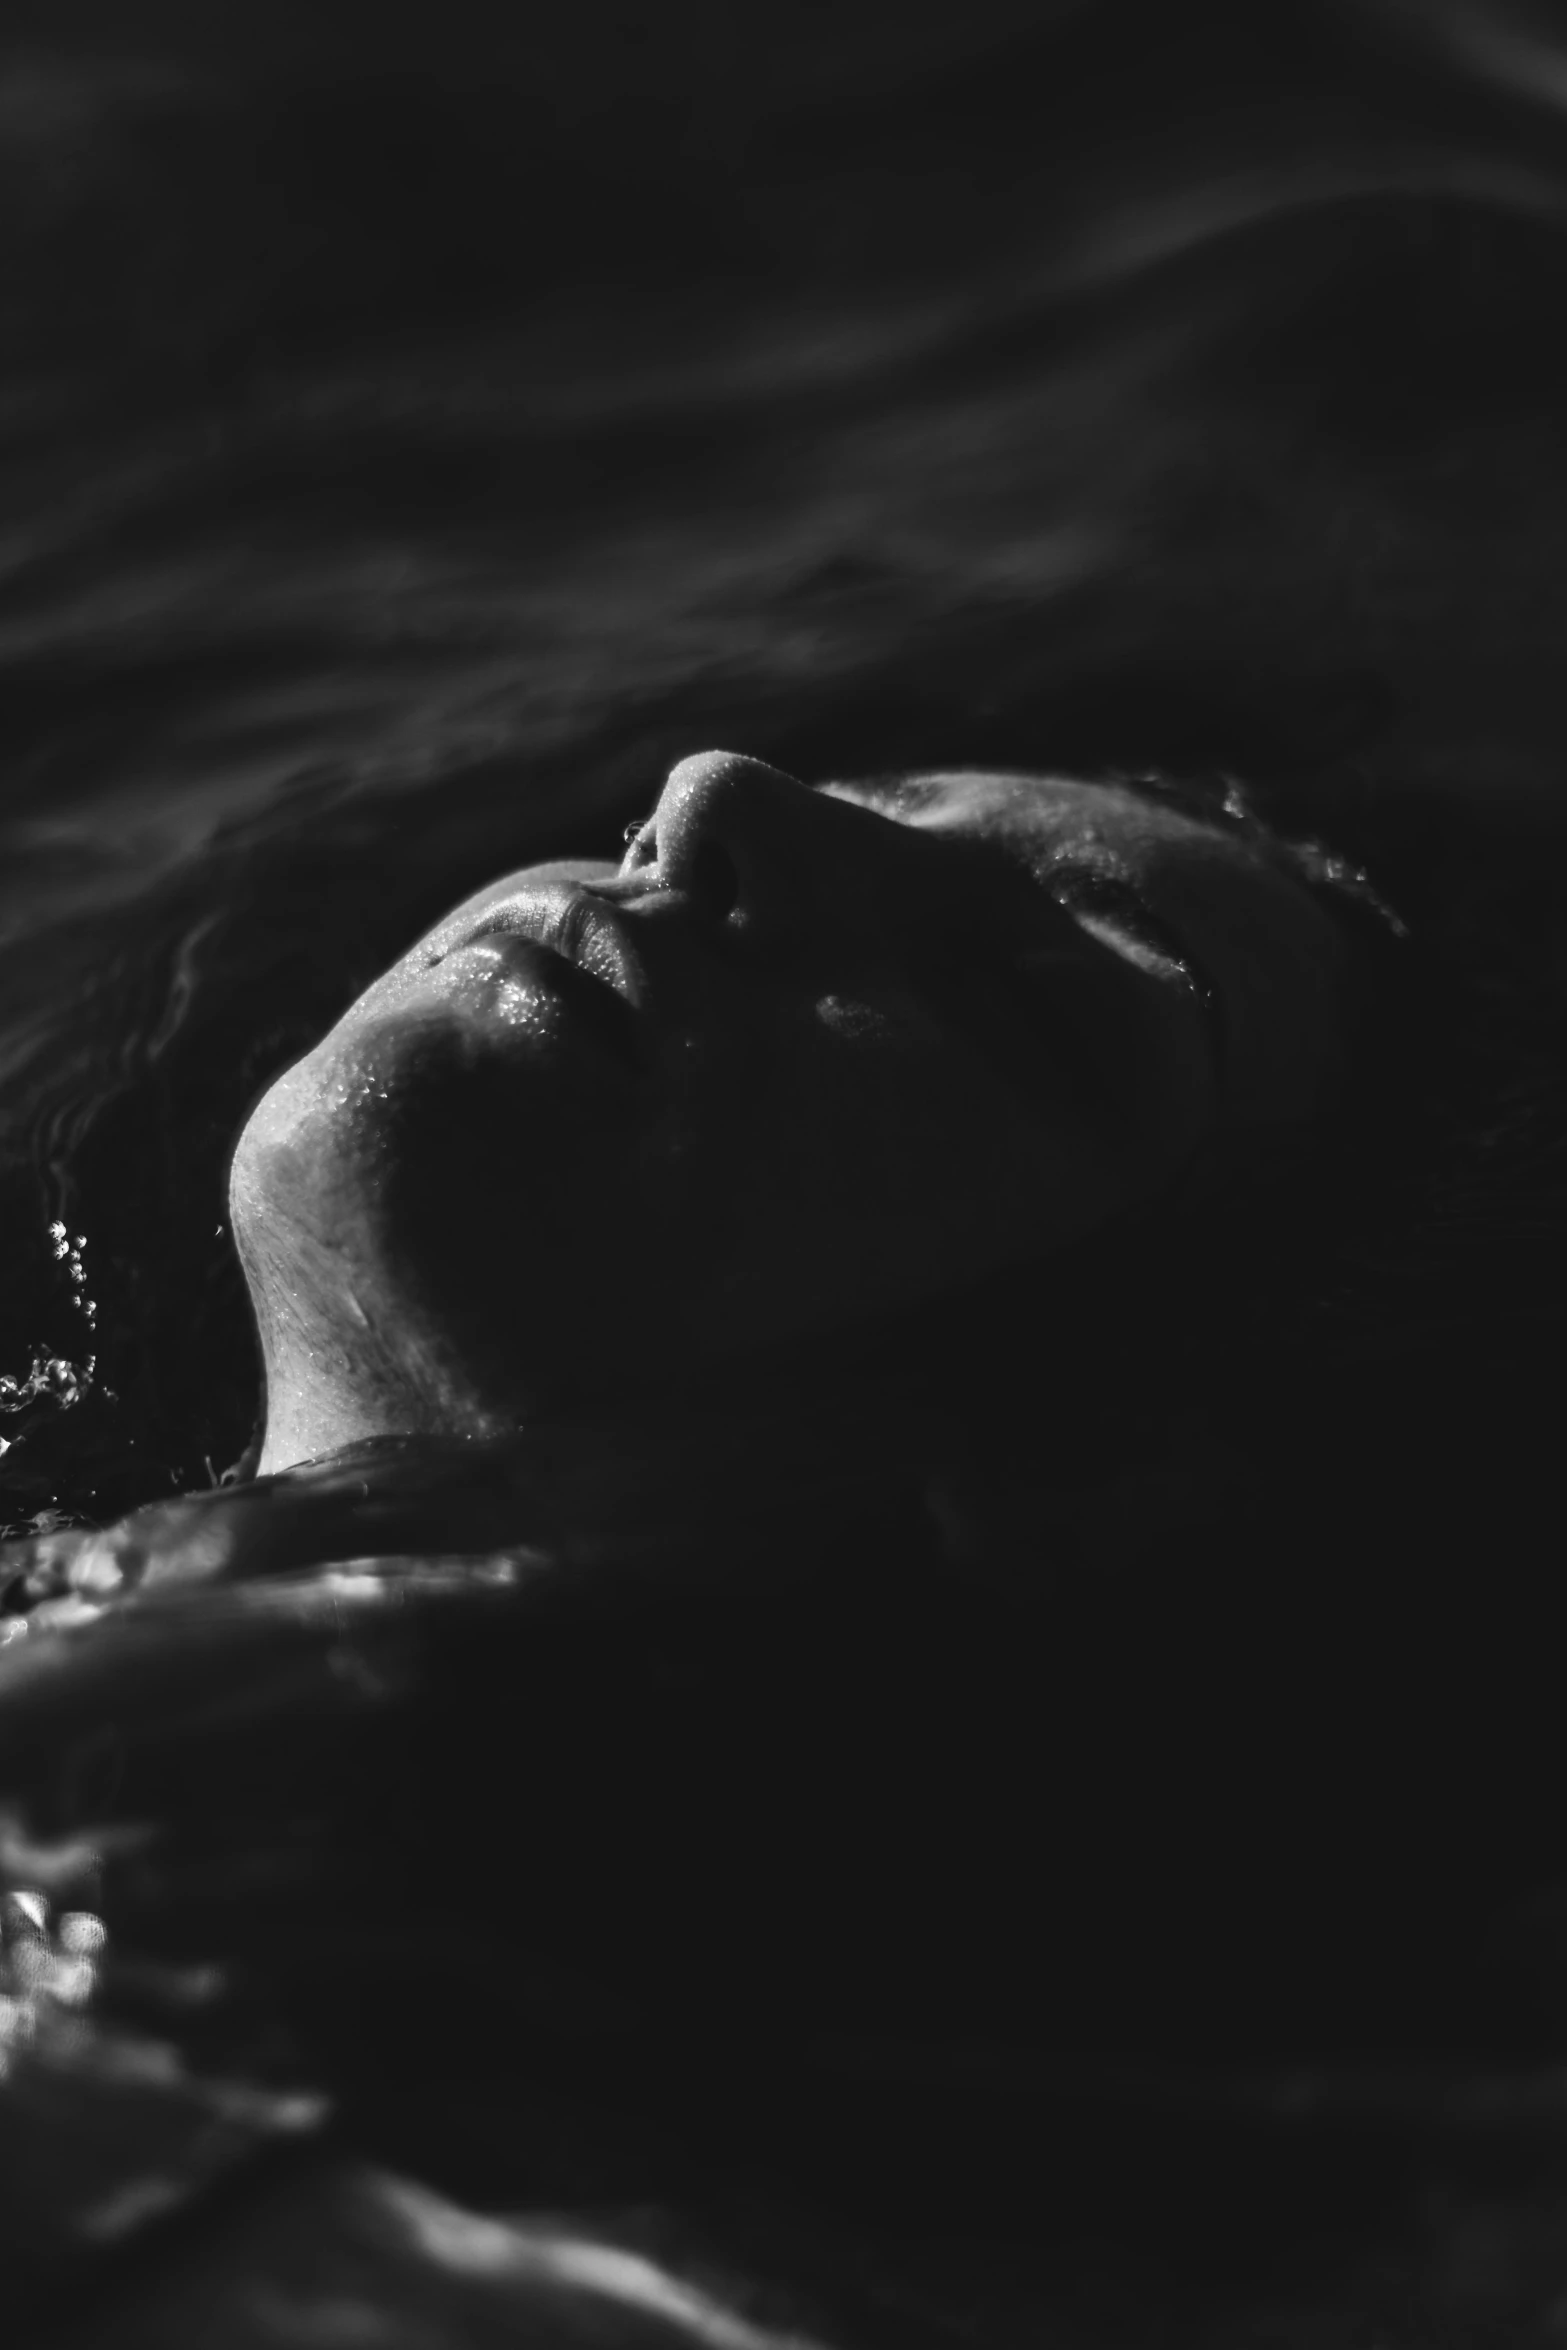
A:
[752,847]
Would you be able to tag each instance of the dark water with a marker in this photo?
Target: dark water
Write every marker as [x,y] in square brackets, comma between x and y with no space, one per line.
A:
[416,431]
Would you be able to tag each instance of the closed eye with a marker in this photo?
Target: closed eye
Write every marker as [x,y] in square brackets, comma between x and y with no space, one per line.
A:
[1111,910]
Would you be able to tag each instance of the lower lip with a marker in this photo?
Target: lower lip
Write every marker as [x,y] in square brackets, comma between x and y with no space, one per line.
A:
[592,1009]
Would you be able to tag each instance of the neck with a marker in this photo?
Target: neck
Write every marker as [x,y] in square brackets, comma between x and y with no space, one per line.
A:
[311,1415]
[749,1452]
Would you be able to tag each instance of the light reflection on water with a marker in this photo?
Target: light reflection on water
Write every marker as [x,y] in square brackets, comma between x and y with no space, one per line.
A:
[48,1965]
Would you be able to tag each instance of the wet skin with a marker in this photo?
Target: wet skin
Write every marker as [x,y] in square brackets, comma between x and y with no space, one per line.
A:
[806,1055]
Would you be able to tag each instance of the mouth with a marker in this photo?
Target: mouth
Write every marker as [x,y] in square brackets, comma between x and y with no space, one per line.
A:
[576,949]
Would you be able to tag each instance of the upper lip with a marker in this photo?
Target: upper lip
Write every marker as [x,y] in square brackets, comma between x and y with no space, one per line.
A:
[585,923]
[581,929]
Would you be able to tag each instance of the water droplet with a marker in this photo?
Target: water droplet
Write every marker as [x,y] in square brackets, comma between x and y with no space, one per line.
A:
[81,1934]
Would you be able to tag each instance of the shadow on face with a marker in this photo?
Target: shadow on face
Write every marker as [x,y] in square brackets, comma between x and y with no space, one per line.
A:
[807,1056]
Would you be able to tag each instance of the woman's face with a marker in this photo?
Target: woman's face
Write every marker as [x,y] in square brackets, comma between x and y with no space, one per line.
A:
[805,1055]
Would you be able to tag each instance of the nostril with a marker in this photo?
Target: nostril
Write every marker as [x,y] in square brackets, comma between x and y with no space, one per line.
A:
[713,881]
[641,841]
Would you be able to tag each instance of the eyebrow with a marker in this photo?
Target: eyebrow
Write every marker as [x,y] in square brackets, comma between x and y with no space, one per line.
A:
[904,792]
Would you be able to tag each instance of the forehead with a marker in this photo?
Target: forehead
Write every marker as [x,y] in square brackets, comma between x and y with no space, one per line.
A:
[940,795]
[971,800]
[1036,815]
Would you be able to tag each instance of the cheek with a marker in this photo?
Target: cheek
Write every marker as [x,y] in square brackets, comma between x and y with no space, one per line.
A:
[909,1094]
[881,1161]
